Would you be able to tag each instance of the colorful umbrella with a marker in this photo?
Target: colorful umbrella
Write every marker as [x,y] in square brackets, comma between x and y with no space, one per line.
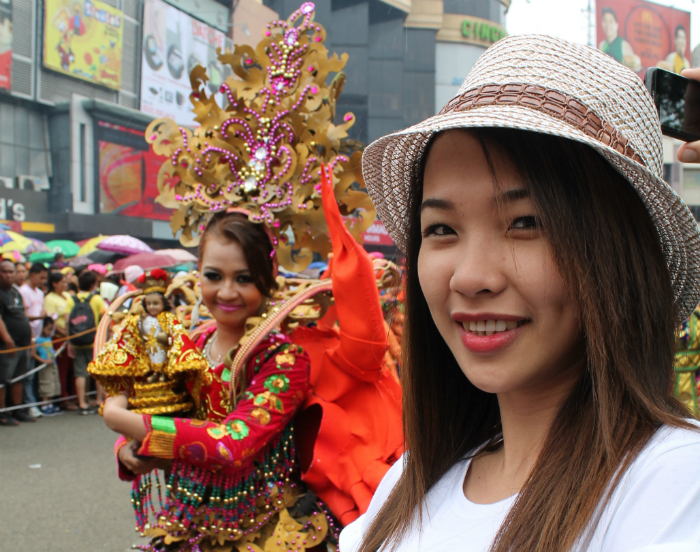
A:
[67,247]
[180,255]
[145,261]
[88,246]
[36,246]
[127,245]
[23,244]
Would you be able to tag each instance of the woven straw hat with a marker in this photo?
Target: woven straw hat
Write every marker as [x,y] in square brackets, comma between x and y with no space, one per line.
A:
[544,84]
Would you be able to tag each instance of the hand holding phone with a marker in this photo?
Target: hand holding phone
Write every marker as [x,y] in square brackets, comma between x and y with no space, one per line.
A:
[690,152]
[677,100]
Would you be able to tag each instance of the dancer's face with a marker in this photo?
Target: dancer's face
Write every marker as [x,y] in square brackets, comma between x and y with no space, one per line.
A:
[228,290]
[488,275]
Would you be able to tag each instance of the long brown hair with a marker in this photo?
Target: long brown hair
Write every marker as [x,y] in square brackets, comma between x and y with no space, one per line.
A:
[608,254]
[254,241]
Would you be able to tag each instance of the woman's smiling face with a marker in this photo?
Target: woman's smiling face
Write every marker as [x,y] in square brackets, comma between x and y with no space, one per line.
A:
[488,275]
[228,290]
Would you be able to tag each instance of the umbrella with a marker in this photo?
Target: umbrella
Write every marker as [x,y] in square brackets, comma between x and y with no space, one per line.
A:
[103,257]
[14,256]
[180,255]
[67,247]
[18,242]
[145,261]
[126,245]
[88,246]
[80,260]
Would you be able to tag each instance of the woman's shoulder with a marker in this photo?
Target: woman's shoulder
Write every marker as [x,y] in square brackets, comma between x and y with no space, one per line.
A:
[672,443]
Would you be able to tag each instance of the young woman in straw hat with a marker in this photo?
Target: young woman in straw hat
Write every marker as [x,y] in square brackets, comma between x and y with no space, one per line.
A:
[548,265]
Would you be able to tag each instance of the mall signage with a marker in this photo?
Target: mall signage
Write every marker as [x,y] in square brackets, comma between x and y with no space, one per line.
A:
[481,31]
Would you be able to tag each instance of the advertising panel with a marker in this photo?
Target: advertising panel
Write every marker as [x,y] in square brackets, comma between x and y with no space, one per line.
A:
[83,39]
[377,235]
[128,173]
[642,34]
[173,44]
[5,43]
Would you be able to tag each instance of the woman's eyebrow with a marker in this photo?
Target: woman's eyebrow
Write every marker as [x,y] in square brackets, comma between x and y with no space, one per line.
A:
[510,196]
[442,204]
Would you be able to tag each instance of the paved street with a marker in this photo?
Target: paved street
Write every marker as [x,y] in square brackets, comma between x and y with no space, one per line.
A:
[74,501]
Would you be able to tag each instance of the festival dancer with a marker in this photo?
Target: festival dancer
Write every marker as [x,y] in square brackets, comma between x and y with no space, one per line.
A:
[241,436]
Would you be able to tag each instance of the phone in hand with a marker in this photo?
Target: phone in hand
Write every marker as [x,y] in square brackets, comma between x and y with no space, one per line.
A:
[677,100]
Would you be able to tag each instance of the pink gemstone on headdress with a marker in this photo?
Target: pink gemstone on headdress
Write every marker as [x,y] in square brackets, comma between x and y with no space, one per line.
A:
[153,136]
[268,33]
[348,117]
[184,164]
[307,8]
[276,224]
[178,197]
[314,89]
[248,61]
[318,39]
[311,68]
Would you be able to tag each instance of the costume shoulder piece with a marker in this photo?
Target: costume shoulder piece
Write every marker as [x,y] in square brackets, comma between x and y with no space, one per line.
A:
[262,152]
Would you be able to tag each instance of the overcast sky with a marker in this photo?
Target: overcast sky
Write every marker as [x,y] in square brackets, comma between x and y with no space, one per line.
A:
[569,19]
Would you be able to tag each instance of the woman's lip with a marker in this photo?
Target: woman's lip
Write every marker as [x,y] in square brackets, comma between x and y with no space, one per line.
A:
[229,308]
[479,316]
[489,343]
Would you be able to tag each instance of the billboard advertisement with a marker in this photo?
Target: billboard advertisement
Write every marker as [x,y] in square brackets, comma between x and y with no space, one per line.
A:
[5,43]
[173,44]
[83,39]
[128,173]
[642,34]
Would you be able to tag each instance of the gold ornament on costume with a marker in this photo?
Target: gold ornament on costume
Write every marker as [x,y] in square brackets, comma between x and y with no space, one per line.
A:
[263,151]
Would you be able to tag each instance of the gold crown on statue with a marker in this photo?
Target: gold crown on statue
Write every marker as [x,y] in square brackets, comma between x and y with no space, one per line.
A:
[153,281]
[262,153]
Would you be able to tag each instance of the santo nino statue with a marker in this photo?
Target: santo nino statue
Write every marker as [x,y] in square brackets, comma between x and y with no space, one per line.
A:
[150,356]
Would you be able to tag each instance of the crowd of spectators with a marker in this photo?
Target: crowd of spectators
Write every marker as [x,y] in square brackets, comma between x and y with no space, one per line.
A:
[41,372]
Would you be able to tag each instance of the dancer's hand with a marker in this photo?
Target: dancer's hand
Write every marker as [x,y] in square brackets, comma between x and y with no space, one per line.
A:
[140,465]
[118,418]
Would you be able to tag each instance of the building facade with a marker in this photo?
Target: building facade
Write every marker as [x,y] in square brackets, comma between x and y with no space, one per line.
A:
[73,159]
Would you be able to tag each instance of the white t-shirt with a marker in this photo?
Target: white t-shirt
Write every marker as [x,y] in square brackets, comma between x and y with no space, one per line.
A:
[655,508]
[34,303]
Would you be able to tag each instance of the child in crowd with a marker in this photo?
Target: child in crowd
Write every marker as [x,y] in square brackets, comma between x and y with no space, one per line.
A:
[43,353]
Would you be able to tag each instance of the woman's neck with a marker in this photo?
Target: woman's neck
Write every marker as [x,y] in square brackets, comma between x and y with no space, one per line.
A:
[526,417]
[228,337]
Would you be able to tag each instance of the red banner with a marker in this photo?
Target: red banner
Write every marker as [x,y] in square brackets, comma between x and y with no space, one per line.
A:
[642,34]
[5,43]
[376,235]
[128,174]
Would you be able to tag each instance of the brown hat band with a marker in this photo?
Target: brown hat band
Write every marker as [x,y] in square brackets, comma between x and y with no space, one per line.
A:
[550,102]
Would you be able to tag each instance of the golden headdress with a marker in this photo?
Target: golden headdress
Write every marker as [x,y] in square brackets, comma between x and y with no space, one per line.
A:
[263,152]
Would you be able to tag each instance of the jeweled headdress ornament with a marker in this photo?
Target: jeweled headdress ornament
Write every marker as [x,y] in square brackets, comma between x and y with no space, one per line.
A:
[262,152]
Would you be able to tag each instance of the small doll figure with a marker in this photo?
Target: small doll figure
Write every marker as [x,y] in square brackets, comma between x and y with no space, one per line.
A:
[151,357]
[155,339]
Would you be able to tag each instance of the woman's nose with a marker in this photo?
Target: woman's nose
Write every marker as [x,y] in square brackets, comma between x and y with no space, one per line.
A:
[228,292]
[478,269]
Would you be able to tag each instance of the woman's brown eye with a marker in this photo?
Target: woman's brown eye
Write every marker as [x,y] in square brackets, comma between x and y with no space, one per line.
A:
[525,223]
